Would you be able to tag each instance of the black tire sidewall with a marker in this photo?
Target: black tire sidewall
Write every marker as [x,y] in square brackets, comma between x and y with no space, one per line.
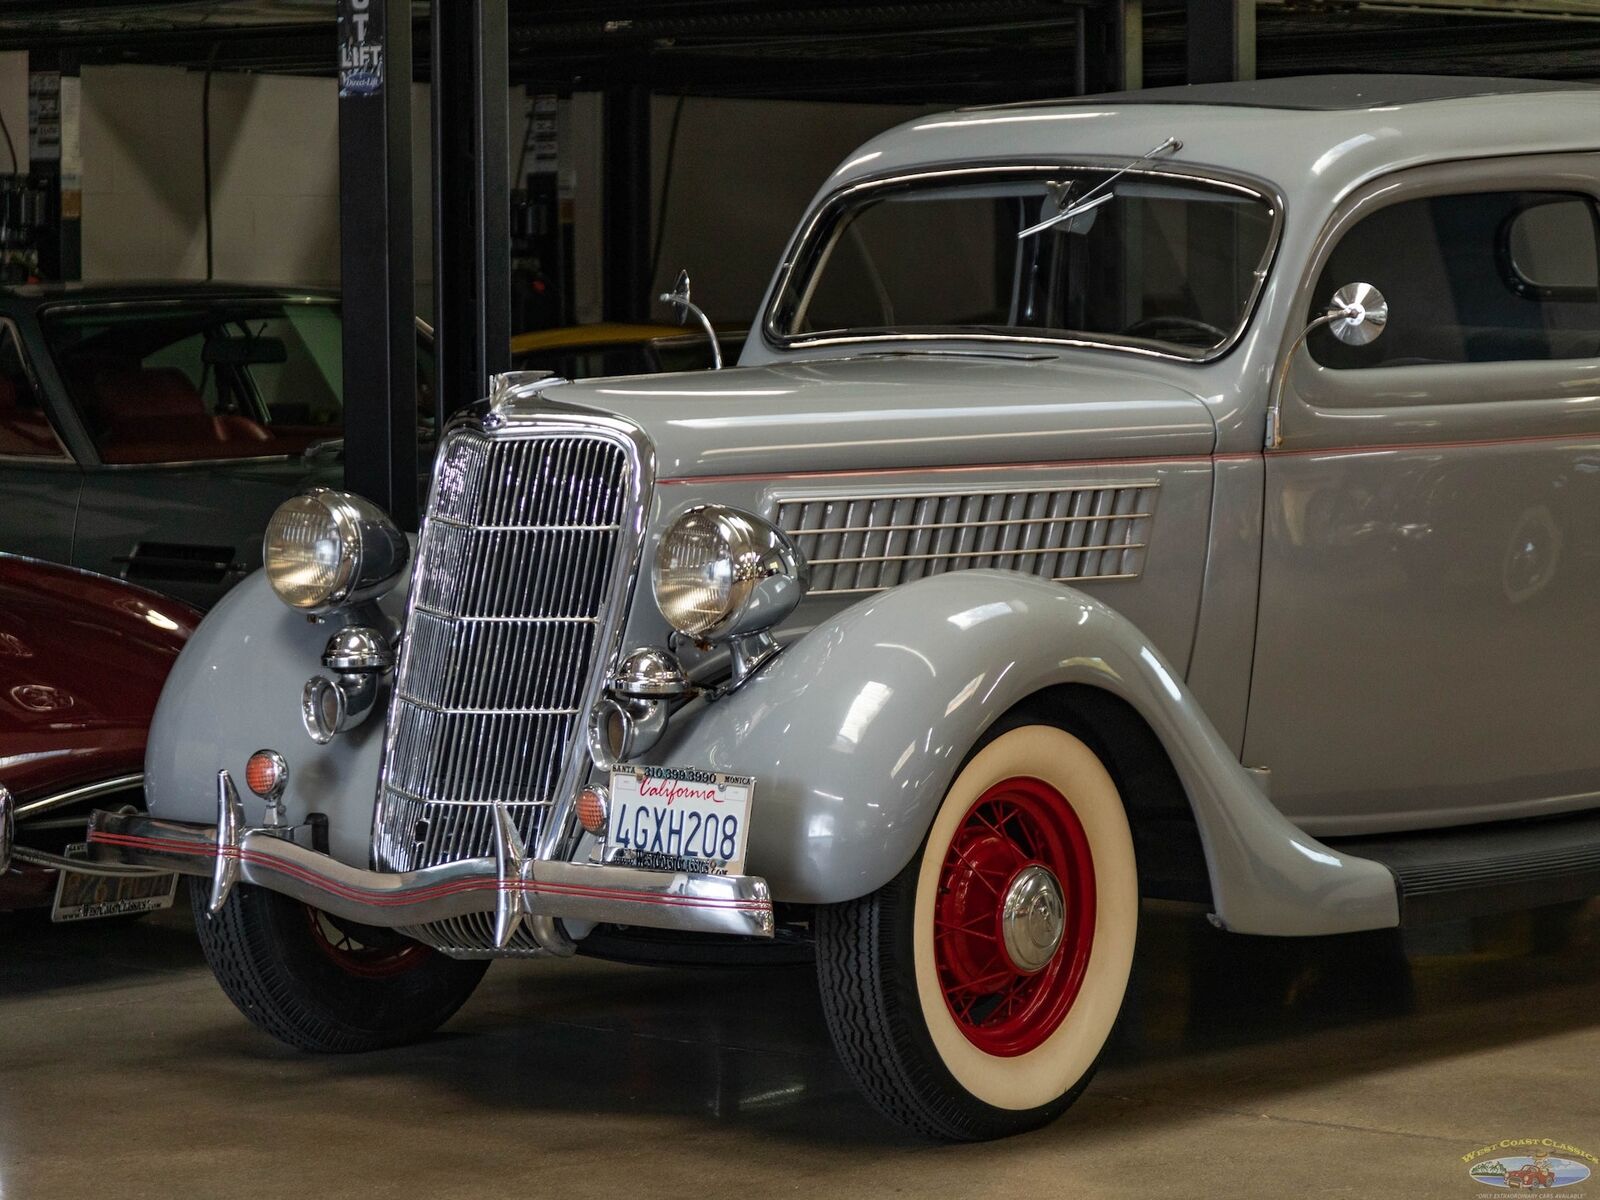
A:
[929,1098]
[264,951]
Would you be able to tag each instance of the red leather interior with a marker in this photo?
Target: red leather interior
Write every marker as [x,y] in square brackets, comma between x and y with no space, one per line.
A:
[24,429]
[156,414]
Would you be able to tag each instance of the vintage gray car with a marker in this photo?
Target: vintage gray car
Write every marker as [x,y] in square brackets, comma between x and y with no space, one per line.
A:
[1067,535]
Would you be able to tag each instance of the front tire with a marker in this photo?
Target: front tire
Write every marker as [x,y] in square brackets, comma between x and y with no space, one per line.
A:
[961,1018]
[323,984]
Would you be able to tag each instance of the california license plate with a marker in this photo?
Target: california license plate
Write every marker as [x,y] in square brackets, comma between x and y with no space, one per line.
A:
[679,819]
[82,897]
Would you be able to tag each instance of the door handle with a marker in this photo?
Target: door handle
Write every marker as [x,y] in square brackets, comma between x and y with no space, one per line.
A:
[179,562]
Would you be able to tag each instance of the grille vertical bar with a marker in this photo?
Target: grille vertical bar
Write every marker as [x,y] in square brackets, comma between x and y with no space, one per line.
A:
[524,538]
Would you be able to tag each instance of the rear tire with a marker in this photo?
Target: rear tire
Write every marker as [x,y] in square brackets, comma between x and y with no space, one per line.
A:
[951,1027]
[323,984]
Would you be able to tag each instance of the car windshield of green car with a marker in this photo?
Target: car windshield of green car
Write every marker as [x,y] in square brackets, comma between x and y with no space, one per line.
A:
[1150,261]
[207,379]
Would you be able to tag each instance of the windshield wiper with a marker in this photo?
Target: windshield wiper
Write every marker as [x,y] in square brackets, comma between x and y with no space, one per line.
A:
[1092,199]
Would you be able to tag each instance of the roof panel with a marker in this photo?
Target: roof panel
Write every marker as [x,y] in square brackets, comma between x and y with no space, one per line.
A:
[1327,93]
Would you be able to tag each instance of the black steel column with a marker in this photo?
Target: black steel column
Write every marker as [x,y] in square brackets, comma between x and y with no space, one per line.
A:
[1111,47]
[375,255]
[627,208]
[471,199]
[1222,40]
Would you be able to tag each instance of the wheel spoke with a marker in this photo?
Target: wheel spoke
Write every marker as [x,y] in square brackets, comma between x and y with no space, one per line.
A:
[1019,823]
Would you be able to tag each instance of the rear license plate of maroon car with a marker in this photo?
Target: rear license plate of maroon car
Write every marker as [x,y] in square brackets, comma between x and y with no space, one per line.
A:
[85,897]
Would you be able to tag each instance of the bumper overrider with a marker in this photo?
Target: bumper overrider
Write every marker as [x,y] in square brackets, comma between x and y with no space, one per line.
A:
[511,884]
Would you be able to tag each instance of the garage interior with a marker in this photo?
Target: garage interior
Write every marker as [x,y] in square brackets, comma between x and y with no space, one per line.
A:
[206,140]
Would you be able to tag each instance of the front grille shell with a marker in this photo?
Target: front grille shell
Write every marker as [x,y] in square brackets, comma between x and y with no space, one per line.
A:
[525,565]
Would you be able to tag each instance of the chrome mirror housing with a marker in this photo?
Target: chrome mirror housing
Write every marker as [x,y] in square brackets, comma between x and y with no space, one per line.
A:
[1356,315]
[681,298]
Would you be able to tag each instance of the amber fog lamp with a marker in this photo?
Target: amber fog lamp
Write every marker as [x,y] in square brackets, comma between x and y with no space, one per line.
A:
[721,573]
[266,774]
[325,549]
[594,810]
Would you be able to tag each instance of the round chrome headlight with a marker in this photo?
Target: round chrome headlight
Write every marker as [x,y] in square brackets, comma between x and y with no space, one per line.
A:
[325,549]
[721,573]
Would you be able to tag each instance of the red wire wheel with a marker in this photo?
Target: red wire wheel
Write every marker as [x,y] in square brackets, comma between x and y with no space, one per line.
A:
[364,952]
[1013,923]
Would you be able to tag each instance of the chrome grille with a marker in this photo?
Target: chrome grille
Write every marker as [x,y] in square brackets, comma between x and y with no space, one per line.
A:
[867,543]
[509,616]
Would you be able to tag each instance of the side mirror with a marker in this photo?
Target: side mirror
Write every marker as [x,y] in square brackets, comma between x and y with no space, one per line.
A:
[1357,314]
[681,297]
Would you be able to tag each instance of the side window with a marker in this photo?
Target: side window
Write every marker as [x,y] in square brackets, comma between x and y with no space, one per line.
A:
[292,359]
[24,429]
[1476,277]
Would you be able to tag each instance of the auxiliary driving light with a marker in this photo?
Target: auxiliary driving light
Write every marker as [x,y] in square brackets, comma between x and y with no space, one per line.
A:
[594,809]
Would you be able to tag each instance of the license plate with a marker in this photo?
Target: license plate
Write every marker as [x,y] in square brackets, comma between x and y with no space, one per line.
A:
[679,819]
[82,897]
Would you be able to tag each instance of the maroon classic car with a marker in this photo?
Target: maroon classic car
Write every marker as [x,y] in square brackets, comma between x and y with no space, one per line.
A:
[82,661]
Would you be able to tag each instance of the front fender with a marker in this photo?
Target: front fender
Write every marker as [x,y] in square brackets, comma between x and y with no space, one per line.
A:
[857,729]
[235,689]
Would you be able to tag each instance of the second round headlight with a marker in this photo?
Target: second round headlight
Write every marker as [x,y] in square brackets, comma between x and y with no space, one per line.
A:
[325,548]
[721,573]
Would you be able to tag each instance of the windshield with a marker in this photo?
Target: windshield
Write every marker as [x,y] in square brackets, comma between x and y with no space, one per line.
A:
[210,378]
[1151,261]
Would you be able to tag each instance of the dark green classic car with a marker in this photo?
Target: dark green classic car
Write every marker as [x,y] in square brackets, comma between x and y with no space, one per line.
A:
[149,430]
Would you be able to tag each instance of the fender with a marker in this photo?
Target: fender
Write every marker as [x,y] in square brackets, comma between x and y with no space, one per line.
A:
[856,730]
[235,689]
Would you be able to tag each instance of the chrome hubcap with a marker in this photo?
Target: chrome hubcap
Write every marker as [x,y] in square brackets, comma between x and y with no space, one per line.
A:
[1033,919]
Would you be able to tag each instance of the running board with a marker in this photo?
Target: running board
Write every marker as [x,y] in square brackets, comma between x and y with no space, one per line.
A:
[1482,869]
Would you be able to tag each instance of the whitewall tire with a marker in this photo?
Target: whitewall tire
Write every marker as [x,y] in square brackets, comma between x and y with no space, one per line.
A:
[971,997]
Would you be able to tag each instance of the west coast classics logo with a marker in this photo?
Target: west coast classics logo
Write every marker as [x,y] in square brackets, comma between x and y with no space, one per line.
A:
[1531,1164]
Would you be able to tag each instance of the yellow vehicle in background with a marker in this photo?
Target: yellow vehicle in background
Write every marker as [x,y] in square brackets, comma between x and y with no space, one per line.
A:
[613,348]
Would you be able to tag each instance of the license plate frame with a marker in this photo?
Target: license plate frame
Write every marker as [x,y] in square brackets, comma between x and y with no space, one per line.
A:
[87,896]
[672,810]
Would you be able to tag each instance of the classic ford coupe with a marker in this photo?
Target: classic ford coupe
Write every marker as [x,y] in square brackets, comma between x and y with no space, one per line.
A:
[1189,494]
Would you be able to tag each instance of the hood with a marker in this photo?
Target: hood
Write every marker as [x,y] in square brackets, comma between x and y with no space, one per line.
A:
[82,661]
[900,410]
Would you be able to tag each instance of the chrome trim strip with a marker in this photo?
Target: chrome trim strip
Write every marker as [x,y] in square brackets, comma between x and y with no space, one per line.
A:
[975,489]
[221,295]
[76,866]
[501,883]
[8,829]
[951,554]
[802,241]
[89,791]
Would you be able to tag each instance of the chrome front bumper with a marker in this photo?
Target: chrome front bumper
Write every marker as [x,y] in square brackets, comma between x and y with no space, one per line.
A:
[511,885]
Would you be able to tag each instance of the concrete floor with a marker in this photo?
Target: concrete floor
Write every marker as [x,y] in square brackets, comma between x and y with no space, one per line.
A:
[1350,1067]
